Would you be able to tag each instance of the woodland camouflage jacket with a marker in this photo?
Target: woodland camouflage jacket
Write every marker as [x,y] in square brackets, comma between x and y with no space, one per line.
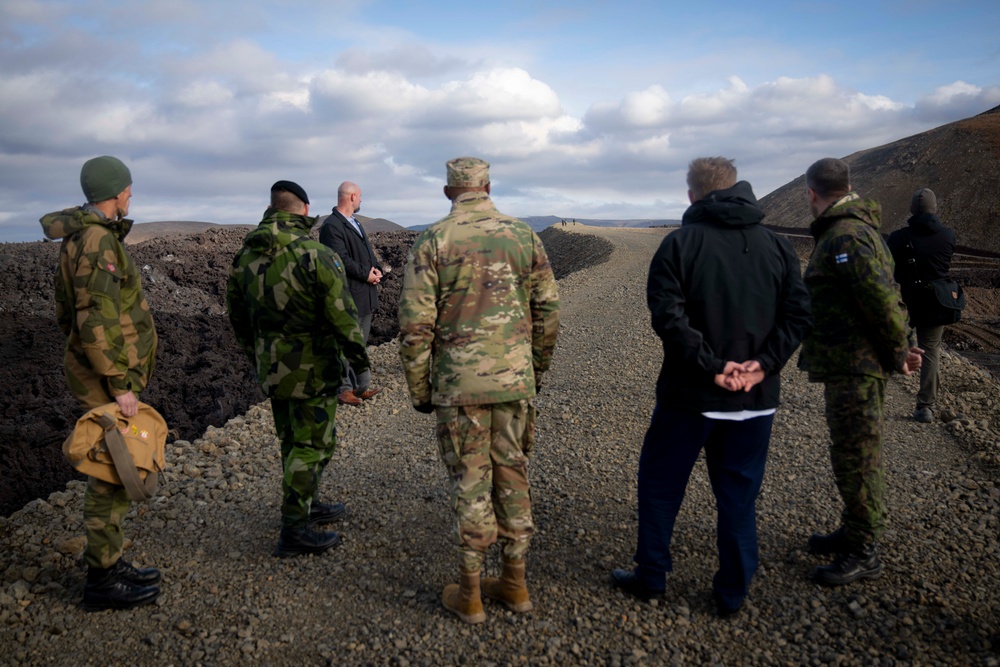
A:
[290,310]
[860,324]
[100,305]
[479,311]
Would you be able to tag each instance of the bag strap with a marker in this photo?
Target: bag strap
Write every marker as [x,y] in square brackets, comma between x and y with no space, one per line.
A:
[137,489]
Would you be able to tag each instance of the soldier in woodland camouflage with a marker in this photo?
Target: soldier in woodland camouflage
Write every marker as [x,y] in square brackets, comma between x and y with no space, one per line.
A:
[294,319]
[860,337]
[110,353]
[479,316]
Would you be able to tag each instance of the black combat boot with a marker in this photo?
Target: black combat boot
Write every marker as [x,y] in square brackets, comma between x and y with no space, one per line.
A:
[325,513]
[299,541]
[146,576]
[858,562]
[831,543]
[108,589]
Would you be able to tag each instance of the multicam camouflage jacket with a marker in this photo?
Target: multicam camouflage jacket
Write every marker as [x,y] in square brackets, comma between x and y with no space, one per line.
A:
[479,311]
[860,325]
[290,311]
[100,305]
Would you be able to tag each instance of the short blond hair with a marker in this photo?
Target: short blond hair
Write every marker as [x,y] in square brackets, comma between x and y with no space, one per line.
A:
[706,174]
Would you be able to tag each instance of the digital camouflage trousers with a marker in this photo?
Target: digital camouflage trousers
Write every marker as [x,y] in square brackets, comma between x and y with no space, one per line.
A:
[308,433]
[485,450]
[854,413]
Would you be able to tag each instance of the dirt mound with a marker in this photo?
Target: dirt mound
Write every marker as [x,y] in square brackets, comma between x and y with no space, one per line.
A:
[202,377]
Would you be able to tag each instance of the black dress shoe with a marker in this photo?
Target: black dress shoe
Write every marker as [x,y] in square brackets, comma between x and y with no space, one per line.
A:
[297,542]
[629,581]
[107,589]
[146,576]
[321,513]
[860,562]
[831,543]
[722,609]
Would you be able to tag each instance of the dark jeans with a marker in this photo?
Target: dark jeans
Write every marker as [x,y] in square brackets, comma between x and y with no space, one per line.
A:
[735,452]
[352,380]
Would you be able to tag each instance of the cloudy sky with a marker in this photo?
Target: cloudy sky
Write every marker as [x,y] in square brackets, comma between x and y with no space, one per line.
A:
[585,109]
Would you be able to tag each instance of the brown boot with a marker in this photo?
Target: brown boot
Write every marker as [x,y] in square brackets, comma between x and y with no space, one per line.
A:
[509,588]
[464,598]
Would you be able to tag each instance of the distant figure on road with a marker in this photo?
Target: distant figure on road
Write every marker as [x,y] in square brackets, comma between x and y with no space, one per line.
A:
[110,354]
[860,337]
[295,321]
[727,300]
[342,233]
[479,314]
[922,251]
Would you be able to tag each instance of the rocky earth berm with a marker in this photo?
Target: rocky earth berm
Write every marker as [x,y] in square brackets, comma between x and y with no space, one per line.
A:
[376,599]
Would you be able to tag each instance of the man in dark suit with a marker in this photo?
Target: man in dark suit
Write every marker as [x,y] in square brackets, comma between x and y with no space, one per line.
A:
[347,238]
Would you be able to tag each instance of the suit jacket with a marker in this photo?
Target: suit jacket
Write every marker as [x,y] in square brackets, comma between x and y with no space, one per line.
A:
[358,257]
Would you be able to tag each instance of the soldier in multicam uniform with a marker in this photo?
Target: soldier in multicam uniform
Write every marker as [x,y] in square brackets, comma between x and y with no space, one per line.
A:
[859,338]
[110,353]
[479,314]
[294,318]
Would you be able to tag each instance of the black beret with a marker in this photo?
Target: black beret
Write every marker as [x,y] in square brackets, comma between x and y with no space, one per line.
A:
[294,188]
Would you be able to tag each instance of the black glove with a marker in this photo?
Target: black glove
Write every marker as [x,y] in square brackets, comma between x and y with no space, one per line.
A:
[426,408]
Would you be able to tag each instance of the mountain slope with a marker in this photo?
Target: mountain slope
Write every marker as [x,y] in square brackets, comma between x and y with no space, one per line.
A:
[959,161]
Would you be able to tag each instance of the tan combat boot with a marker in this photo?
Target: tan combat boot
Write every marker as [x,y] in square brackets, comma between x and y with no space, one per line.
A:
[464,599]
[510,587]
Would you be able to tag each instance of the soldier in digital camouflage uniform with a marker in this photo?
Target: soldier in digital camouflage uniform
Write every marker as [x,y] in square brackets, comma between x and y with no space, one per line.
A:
[479,316]
[860,337]
[294,319]
[110,353]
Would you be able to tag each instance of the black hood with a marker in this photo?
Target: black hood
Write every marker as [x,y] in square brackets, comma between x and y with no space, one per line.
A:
[733,207]
[925,224]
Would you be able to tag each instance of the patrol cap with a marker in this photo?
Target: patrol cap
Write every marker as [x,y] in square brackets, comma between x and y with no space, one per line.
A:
[294,188]
[468,172]
[923,201]
[104,178]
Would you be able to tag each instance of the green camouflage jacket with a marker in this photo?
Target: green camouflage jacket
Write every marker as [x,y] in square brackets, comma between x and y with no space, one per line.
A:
[860,325]
[479,311]
[100,305]
[290,311]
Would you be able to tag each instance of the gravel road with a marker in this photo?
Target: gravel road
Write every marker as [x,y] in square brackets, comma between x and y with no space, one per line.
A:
[375,600]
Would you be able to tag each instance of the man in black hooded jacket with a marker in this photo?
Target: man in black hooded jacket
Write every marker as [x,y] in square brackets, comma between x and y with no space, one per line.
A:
[727,300]
[922,252]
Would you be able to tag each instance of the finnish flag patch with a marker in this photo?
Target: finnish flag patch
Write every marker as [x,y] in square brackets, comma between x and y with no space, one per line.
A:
[841,258]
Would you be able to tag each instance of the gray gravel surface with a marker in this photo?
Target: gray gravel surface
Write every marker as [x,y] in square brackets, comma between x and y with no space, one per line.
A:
[375,600]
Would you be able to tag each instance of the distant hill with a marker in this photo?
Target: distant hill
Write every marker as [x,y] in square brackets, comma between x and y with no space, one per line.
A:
[538,223]
[959,161]
[144,231]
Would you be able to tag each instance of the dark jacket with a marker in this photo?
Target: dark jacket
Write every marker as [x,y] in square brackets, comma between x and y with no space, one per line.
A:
[723,288]
[358,257]
[922,251]
[860,325]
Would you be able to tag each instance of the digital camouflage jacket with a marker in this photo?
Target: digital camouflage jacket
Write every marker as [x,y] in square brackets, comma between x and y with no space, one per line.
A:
[479,311]
[859,320]
[290,310]
[100,305]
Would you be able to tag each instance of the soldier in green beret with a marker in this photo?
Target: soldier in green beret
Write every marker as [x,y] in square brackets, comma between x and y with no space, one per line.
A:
[860,337]
[294,319]
[479,314]
[110,353]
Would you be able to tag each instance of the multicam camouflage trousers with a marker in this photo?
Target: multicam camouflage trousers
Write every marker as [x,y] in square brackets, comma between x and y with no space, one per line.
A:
[307,429]
[485,450]
[854,407]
